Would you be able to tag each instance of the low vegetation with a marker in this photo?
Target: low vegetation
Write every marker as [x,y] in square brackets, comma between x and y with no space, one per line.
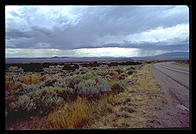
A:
[137,105]
[76,96]
[182,63]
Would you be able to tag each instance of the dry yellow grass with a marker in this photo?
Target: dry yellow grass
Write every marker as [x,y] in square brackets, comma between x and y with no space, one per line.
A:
[8,78]
[181,64]
[45,77]
[81,113]
[131,108]
[26,79]
[35,78]
[10,85]
[69,115]
[31,79]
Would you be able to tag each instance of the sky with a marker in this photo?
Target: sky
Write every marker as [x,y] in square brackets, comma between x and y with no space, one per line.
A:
[94,31]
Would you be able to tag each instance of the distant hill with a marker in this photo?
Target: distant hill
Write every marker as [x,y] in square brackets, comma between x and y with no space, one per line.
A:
[174,54]
[56,59]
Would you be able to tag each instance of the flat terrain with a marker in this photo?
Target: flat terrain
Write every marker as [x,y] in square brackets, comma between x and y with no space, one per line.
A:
[141,96]
[64,60]
[174,82]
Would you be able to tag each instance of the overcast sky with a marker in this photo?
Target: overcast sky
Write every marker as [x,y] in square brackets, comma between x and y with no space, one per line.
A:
[78,31]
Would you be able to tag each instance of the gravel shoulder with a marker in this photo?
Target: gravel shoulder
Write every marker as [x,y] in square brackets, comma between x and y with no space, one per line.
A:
[176,112]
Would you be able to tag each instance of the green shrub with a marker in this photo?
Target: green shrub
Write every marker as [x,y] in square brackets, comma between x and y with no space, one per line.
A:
[102,72]
[48,102]
[24,103]
[24,89]
[88,84]
[42,100]
[49,82]
[120,70]
[123,63]
[87,88]
[47,98]
[93,87]
[112,72]
[71,67]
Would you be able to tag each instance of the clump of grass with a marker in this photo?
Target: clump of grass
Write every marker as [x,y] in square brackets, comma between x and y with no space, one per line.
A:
[9,85]
[26,79]
[118,87]
[111,98]
[35,79]
[130,70]
[78,113]
[70,115]
[31,79]
[45,77]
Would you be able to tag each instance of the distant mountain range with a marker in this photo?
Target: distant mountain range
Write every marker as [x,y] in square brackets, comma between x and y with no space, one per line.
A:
[174,54]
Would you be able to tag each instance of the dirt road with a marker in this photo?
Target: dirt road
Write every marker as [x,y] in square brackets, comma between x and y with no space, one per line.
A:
[174,82]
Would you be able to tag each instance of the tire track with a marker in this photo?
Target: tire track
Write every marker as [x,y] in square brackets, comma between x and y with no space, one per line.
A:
[171,77]
[176,112]
[169,68]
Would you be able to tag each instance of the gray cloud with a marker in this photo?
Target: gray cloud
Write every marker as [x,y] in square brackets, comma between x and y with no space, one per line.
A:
[183,46]
[17,34]
[92,26]
[43,30]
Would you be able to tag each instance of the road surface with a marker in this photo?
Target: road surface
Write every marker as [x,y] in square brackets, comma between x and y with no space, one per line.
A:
[174,82]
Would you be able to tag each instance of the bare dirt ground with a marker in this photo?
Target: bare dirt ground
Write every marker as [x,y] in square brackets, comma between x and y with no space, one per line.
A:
[176,112]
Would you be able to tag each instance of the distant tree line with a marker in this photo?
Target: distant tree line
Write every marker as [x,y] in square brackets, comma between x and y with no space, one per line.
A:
[123,63]
[95,64]
[38,67]
[71,67]
[31,67]
[92,64]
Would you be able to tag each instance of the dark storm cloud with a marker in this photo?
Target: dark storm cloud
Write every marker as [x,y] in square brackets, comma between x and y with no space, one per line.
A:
[92,26]
[17,34]
[182,46]
[42,30]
